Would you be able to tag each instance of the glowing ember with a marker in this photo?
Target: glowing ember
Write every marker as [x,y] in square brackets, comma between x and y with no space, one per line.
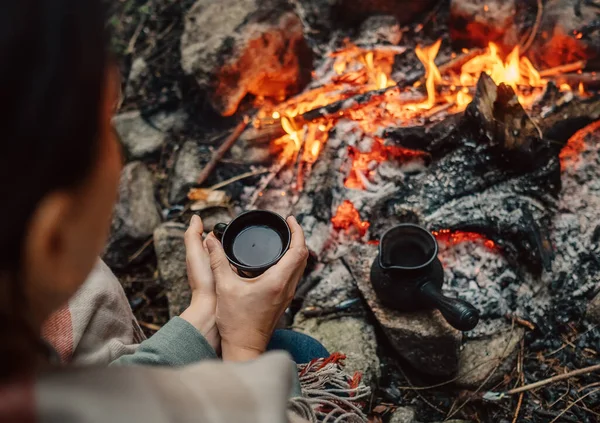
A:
[363,164]
[347,217]
[449,237]
[570,155]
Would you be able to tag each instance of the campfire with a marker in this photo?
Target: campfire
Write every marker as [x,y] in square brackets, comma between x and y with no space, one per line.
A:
[475,120]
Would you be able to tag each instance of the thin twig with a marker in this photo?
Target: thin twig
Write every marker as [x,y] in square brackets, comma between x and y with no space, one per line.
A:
[224,148]
[573,403]
[521,322]
[554,379]
[141,250]
[136,34]
[150,326]
[419,394]
[521,377]
[273,172]
[226,182]
[536,26]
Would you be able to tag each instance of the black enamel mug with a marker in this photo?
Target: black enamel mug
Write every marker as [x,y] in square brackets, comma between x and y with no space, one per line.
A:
[408,276]
[254,241]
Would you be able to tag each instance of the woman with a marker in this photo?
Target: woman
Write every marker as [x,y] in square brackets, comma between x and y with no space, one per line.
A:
[59,171]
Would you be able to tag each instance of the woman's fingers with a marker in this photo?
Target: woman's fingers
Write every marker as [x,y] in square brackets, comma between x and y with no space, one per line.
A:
[218,260]
[196,255]
[298,253]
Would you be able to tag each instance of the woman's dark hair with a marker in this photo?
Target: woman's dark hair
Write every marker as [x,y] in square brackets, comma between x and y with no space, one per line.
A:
[53,63]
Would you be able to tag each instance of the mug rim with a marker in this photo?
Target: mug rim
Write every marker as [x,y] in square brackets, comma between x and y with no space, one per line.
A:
[284,250]
[421,266]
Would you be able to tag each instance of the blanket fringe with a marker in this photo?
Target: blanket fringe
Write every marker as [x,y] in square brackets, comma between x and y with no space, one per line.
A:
[330,395]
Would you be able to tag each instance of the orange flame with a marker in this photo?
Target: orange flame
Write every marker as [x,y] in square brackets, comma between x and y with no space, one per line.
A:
[363,164]
[357,70]
[427,56]
[347,217]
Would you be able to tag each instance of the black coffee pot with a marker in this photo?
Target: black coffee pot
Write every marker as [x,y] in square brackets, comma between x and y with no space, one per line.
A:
[408,276]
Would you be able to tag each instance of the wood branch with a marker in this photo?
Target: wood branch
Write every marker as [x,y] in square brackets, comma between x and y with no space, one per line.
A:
[554,379]
[589,80]
[457,63]
[224,148]
[569,67]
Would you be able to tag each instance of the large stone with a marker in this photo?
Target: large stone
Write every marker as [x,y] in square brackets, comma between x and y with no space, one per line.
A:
[238,47]
[480,357]
[213,215]
[137,75]
[593,310]
[353,12]
[135,216]
[352,336]
[477,22]
[566,32]
[139,138]
[404,415]
[424,338]
[170,252]
[188,166]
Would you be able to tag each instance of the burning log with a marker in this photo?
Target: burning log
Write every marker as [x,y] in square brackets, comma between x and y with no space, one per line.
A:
[564,31]
[272,129]
[511,132]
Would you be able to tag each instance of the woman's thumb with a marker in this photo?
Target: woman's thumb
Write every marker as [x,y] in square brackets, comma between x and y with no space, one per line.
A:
[218,260]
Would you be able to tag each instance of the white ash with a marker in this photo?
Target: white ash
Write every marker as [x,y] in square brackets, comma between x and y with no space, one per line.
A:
[336,285]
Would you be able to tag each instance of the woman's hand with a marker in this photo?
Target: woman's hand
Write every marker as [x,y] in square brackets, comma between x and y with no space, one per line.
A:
[201,312]
[248,309]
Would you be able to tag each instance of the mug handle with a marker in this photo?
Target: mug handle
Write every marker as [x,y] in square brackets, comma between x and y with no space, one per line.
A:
[219,230]
[460,314]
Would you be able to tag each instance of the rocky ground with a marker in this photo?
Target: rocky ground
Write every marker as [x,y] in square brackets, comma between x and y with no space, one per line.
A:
[169,128]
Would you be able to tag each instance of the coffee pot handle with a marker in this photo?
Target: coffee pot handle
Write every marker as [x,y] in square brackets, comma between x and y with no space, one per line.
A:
[219,230]
[460,314]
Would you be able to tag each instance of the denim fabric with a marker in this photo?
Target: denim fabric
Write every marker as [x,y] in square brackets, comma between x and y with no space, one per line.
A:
[301,347]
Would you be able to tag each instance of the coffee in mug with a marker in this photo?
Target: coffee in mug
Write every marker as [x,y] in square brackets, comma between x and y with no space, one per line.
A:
[254,241]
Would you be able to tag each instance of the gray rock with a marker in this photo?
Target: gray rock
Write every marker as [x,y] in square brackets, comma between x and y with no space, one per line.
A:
[212,216]
[188,166]
[593,310]
[138,137]
[563,23]
[169,121]
[424,338]
[380,29]
[139,71]
[135,216]
[352,336]
[479,358]
[404,415]
[353,12]
[239,47]
[170,252]
[477,22]
[470,23]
